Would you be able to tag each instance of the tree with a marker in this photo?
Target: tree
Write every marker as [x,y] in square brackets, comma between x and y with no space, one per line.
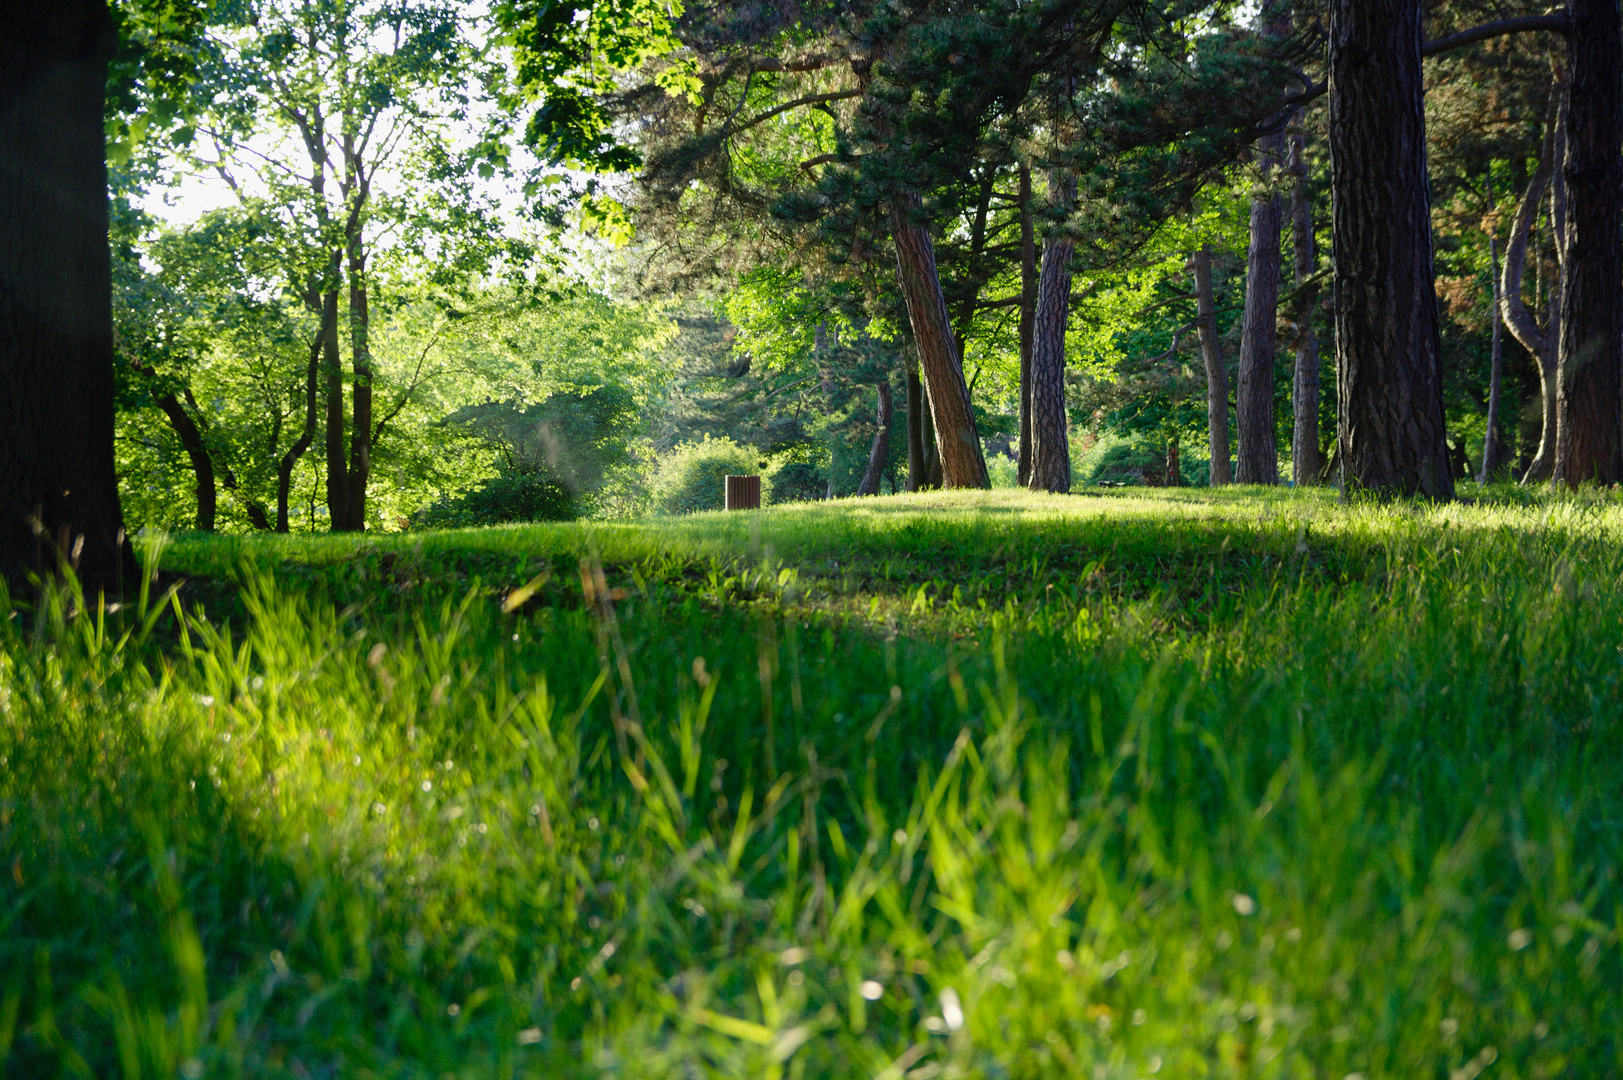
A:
[58,490]
[1391,433]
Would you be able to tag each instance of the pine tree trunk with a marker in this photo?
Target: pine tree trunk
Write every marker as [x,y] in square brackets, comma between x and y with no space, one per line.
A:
[58,488]
[1589,431]
[880,450]
[326,339]
[1028,320]
[1390,431]
[1305,464]
[959,447]
[1257,454]
[1217,383]
[915,429]
[1050,435]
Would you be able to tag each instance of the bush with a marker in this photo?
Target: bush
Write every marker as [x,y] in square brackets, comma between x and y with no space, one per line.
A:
[799,481]
[690,476]
[518,494]
[1138,464]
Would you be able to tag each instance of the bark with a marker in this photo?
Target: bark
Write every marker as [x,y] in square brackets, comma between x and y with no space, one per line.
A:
[337,460]
[1305,464]
[1589,438]
[1257,455]
[1491,440]
[916,465]
[880,451]
[1174,466]
[191,440]
[1217,383]
[1050,438]
[326,339]
[1390,429]
[1538,341]
[1028,320]
[958,445]
[58,488]
[360,445]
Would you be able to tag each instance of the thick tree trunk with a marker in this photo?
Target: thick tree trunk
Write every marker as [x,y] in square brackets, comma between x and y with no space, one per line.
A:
[880,450]
[1540,342]
[1028,320]
[1217,383]
[326,338]
[58,488]
[1257,454]
[962,463]
[1390,431]
[915,429]
[360,444]
[1589,436]
[191,440]
[1305,464]
[1050,435]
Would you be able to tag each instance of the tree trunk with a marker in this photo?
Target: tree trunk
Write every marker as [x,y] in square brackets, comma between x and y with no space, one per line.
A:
[1490,440]
[1217,383]
[1257,454]
[1050,437]
[1174,466]
[962,463]
[326,339]
[916,467]
[1305,464]
[337,460]
[1540,342]
[1388,367]
[880,451]
[58,488]
[360,445]
[191,440]
[1028,320]
[1589,438]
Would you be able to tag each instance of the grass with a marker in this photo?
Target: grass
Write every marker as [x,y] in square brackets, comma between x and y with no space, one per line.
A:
[1175,783]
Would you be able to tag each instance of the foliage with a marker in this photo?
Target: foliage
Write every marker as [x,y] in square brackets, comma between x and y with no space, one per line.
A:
[523,492]
[690,476]
[989,784]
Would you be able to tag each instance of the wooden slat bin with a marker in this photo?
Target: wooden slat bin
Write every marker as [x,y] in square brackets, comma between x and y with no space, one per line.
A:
[743,492]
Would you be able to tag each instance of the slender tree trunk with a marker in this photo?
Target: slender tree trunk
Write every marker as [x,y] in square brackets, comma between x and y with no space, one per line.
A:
[58,488]
[1174,466]
[1217,383]
[360,446]
[1589,432]
[916,466]
[1257,454]
[1490,441]
[1050,435]
[191,440]
[1305,464]
[1028,319]
[1389,374]
[326,333]
[1540,342]
[962,462]
[337,460]
[880,451]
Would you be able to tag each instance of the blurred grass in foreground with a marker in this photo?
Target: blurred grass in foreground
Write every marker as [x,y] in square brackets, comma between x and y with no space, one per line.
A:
[1180,783]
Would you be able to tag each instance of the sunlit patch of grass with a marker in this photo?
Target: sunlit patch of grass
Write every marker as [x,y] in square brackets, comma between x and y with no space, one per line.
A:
[1172,783]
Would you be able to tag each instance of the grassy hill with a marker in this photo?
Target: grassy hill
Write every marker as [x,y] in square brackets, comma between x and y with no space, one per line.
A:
[1182,783]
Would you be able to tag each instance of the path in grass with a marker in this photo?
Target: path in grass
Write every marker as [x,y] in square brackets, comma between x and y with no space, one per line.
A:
[1184,783]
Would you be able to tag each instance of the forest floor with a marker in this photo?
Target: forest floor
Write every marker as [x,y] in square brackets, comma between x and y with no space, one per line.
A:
[1185,783]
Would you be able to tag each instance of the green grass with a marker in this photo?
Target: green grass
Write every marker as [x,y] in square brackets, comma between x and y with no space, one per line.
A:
[1173,783]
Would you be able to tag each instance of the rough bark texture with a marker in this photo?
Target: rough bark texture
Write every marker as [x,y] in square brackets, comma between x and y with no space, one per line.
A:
[1256,453]
[880,450]
[1589,439]
[1028,320]
[58,489]
[1217,383]
[1538,341]
[1050,437]
[1305,464]
[1390,431]
[962,463]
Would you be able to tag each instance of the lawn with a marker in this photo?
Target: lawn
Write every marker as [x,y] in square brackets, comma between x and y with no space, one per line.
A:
[1127,783]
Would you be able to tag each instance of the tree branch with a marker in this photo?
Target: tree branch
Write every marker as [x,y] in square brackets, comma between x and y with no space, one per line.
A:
[1555,24]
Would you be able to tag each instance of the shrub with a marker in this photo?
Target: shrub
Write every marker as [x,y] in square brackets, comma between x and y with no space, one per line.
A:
[690,476]
[518,494]
[799,481]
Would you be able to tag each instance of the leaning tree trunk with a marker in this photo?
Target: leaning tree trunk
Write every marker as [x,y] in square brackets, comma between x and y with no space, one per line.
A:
[880,450]
[191,440]
[1589,438]
[1391,433]
[962,463]
[1217,383]
[1305,465]
[1256,454]
[1050,439]
[1028,320]
[58,488]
